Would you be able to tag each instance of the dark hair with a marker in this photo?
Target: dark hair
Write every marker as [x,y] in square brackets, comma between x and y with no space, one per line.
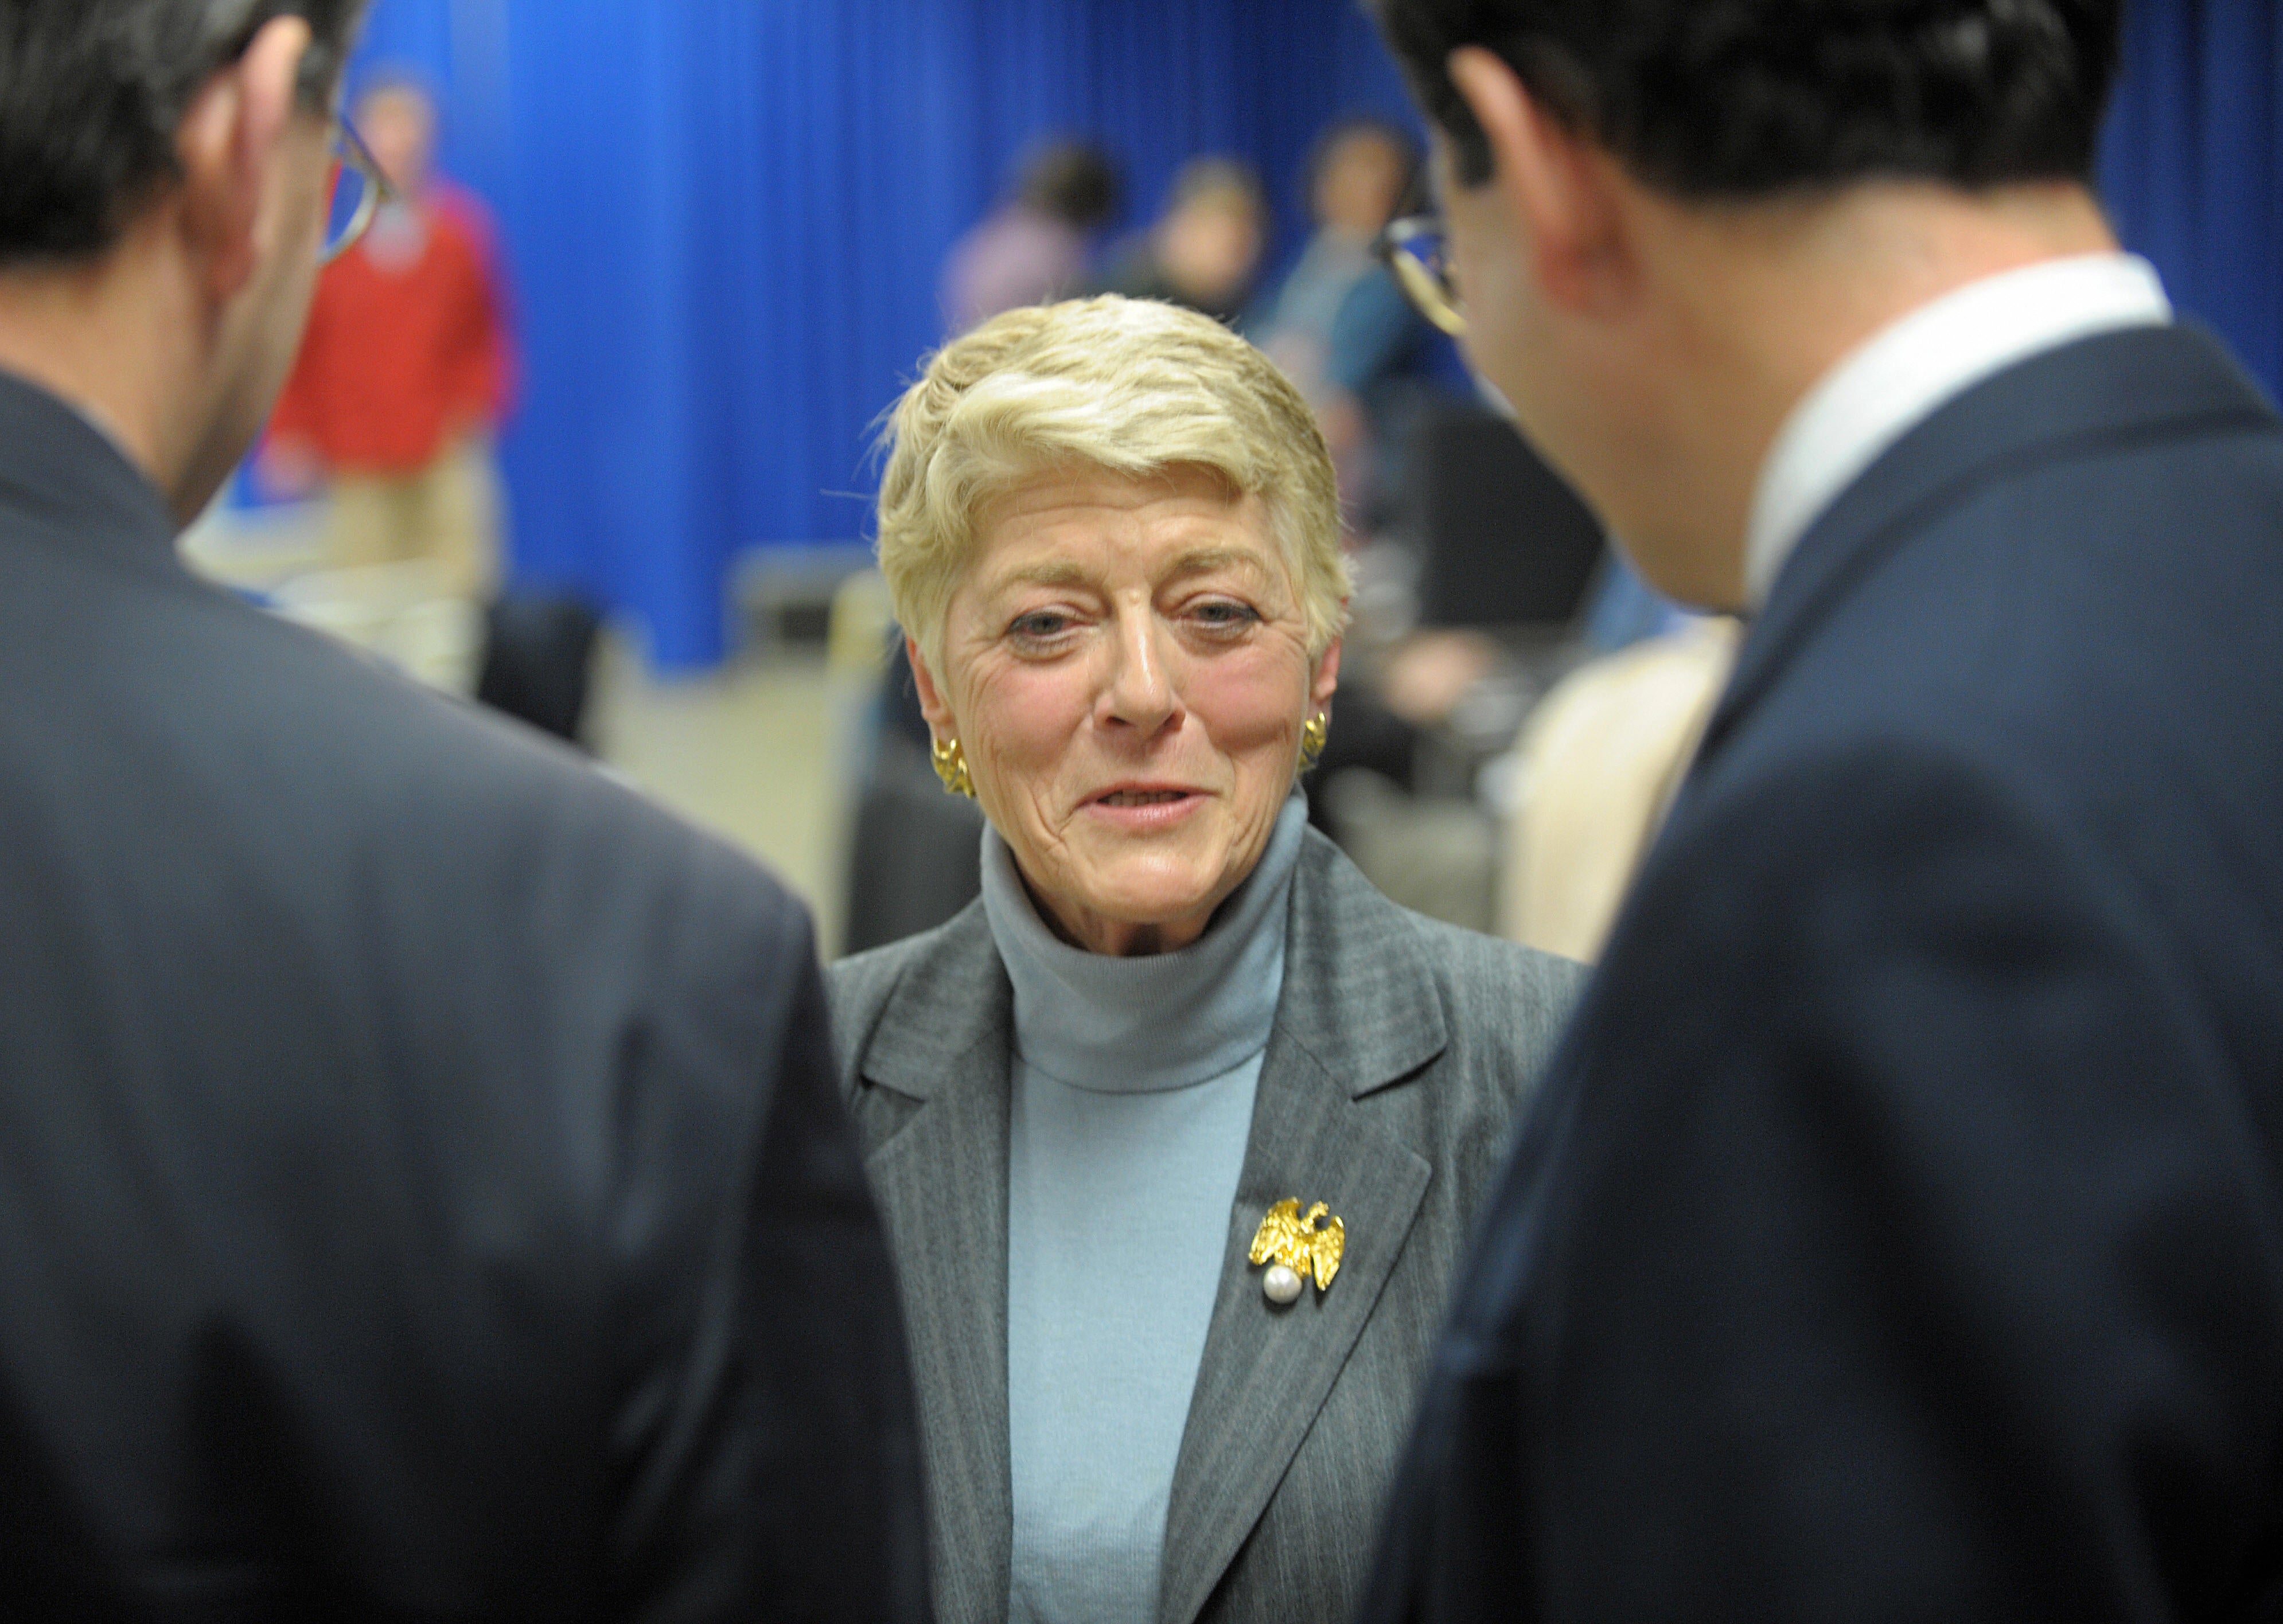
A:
[1212,176]
[1733,99]
[92,92]
[1361,127]
[1072,182]
[394,78]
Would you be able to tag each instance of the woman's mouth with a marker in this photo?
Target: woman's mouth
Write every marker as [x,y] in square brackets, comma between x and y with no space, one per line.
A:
[1145,808]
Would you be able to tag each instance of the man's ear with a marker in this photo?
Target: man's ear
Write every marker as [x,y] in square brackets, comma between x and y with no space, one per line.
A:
[1563,188]
[229,145]
[931,702]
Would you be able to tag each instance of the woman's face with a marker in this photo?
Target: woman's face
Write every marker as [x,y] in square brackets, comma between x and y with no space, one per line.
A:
[1126,665]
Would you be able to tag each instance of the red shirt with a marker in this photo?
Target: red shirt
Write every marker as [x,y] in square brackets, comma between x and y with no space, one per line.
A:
[407,346]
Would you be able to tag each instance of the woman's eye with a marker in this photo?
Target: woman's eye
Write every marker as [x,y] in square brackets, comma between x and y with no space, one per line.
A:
[1039,625]
[1221,615]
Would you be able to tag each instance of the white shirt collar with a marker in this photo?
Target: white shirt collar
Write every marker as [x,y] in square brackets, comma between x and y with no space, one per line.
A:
[1900,376]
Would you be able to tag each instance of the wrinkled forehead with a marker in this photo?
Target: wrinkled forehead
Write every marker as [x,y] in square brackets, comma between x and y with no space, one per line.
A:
[1074,524]
[1064,481]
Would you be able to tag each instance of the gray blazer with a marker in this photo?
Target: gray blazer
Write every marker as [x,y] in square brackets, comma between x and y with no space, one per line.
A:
[1401,1052]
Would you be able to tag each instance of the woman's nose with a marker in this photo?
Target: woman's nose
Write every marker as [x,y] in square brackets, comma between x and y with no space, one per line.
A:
[1139,691]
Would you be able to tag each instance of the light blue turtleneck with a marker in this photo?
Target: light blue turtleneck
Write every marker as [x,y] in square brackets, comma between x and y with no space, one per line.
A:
[1133,1082]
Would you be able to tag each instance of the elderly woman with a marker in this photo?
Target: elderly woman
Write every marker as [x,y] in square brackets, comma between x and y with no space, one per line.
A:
[1180,1126]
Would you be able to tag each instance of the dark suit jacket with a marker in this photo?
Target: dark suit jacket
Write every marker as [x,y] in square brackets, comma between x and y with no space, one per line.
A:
[422,1191]
[1401,1050]
[1899,1234]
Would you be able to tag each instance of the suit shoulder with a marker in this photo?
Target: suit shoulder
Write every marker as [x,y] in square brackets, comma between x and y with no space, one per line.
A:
[1897,836]
[860,984]
[857,988]
[1504,1007]
[1495,984]
[1441,1033]
[1487,986]
[444,801]
[2059,613]
[1481,1015]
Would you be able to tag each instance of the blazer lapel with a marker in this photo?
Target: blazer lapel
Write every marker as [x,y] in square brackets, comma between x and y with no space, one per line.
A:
[942,1181]
[1357,1012]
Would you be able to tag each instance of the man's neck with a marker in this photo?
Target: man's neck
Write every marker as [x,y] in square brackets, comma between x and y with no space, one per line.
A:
[104,338]
[1775,296]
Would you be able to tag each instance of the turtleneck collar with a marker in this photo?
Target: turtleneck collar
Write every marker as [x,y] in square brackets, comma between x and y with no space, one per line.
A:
[1167,1020]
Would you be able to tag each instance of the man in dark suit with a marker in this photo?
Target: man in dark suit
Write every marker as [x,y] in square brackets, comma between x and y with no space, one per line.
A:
[1899,1234]
[422,1191]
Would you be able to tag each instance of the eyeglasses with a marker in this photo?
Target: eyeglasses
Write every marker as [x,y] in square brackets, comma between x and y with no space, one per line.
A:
[359,189]
[1416,250]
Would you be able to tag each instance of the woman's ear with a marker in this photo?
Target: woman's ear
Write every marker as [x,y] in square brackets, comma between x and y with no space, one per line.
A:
[1327,678]
[939,719]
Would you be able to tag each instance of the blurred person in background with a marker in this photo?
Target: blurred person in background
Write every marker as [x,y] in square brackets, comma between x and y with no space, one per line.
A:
[1037,247]
[406,370]
[422,1190]
[1596,769]
[1098,1099]
[1204,251]
[1899,1233]
[1339,325]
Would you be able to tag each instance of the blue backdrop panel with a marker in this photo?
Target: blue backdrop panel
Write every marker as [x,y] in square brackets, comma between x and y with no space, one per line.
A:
[2192,168]
[726,219]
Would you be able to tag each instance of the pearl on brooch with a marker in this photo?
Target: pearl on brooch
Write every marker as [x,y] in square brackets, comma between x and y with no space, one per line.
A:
[1281,1285]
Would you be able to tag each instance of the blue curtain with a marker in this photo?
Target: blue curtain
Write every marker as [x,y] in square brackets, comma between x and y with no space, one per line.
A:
[726,219]
[2192,165]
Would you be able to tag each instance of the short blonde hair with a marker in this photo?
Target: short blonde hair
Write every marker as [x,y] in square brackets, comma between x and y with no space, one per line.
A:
[1129,387]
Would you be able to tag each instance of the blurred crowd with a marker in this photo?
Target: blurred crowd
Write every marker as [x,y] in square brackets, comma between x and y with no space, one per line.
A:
[1515,704]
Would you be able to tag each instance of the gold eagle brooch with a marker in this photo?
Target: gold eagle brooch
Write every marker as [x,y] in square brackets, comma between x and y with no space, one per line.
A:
[1294,1248]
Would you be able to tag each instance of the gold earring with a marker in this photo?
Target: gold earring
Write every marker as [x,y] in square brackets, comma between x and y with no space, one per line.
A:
[951,767]
[1315,733]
